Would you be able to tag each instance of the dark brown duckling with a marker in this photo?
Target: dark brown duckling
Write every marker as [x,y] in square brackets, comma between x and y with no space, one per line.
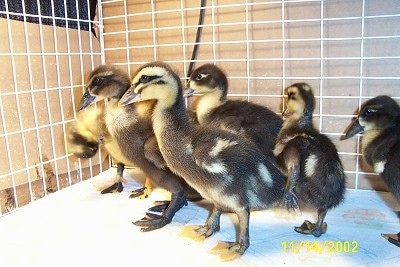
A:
[315,172]
[213,108]
[226,169]
[379,121]
[130,127]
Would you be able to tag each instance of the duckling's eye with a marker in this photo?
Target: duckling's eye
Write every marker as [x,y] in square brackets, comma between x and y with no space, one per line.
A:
[97,81]
[144,79]
[198,77]
[370,111]
[291,95]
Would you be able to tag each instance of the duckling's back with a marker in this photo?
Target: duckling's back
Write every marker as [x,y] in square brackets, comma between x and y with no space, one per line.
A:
[322,180]
[383,153]
[258,123]
[250,180]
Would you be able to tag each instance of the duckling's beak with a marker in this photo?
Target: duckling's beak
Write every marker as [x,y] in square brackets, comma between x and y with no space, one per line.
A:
[188,92]
[86,100]
[354,129]
[287,113]
[129,97]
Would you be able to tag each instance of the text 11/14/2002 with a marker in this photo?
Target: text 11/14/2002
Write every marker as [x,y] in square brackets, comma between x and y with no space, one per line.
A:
[320,246]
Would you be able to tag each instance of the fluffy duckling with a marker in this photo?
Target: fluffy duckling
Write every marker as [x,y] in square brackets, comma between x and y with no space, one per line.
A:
[315,172]
[84,137]
[131,129]
[213,107]
[229,171]
[379,120]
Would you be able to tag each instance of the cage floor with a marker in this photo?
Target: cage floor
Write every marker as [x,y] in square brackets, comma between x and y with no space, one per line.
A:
[78,225]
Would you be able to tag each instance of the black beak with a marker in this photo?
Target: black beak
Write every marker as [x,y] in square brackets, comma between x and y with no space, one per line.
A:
[86,100]
[354,129]
[188,92]
[286,113]
[129,97]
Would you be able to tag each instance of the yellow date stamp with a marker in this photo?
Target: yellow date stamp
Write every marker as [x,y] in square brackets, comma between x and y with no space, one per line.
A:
[327,246]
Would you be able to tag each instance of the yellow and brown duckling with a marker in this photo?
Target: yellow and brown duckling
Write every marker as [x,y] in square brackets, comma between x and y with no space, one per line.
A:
[213,108]
[379,121]
[229,171]
[84,137]
[131,129]
[310,159]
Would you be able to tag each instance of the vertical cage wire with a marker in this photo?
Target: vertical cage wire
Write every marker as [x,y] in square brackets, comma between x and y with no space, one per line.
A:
[47,52]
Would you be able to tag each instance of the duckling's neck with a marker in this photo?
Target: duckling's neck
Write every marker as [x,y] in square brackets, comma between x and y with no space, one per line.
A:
[297,124]
[118,118]
[303,121]
[208,102]
[170,117]
[368,137]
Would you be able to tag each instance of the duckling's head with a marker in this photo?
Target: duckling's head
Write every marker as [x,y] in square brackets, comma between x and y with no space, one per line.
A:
[207,78]
[82,145]
[155,80]
[300,102]
[85,134]
[378,113]
[106,81]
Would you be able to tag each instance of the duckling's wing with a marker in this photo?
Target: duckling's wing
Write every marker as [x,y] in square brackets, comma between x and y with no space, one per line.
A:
[379,148]
[192,116]
[202,150]
[153,154]
[391,171]
[213,148]
[229,123]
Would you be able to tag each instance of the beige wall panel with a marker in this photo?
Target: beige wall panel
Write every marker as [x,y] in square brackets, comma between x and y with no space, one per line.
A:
[39,73]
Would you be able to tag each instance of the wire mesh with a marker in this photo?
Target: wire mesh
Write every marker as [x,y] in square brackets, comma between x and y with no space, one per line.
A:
[47,49]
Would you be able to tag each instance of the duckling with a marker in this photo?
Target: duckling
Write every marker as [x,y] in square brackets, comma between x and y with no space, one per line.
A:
[213,108]
[310,159]
[84,137]
[226,169]
[379,120]
[130,127]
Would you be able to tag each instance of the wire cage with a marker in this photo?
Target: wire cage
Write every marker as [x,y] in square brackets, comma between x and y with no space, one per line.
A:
[347,50]
[47,48]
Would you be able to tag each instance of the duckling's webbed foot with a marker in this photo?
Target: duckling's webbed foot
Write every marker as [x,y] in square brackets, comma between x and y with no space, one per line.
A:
[290,201]
[309,228]
[153,221]
[229,251]
[392,238]
[143,192]
[198,232]
[315,229]
[160,206]
[117,187]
